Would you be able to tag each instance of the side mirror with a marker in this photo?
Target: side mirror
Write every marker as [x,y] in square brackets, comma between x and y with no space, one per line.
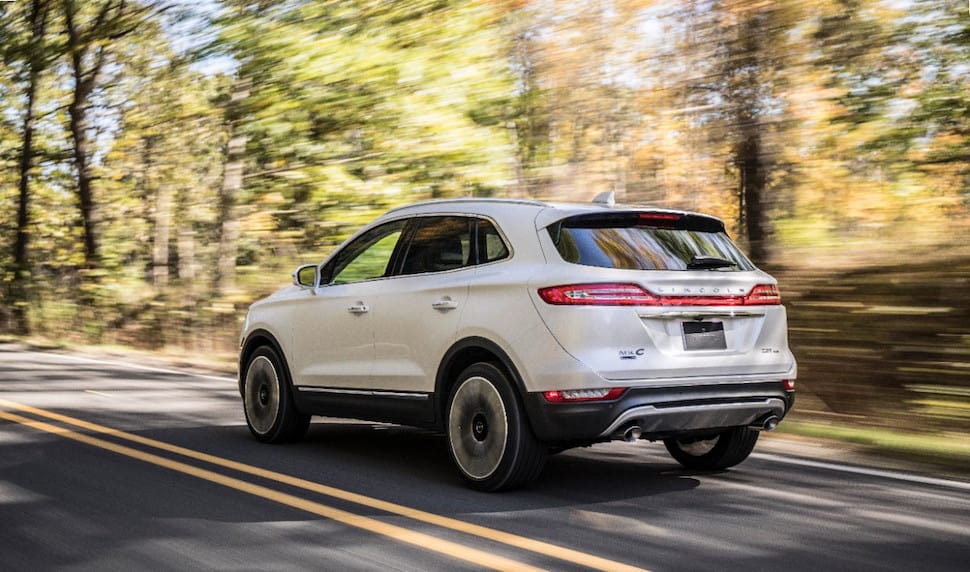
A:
[305,276]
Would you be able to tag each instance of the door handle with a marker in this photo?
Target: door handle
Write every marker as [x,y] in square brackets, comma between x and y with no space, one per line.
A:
[444,304]
[358,308]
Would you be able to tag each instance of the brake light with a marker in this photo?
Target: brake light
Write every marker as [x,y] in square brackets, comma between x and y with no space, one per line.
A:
[659,216]
[659,220]
[576,395]
[598,295]
[788,384]
[763,295]
[614,294]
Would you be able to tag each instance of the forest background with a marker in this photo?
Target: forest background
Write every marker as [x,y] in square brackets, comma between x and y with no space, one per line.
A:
[165,163]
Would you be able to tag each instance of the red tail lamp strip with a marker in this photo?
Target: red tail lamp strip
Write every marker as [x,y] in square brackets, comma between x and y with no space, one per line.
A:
[618,294]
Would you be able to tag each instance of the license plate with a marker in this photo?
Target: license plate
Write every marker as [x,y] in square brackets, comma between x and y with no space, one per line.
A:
[704,336]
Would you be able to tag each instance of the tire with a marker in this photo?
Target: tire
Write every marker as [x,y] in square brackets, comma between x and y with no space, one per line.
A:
[271,415]
[489,436]
[721,451]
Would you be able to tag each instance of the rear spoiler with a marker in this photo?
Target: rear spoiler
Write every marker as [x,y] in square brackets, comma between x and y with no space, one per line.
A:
[672,220]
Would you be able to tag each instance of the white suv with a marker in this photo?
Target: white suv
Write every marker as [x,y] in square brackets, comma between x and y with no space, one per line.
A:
[520,328]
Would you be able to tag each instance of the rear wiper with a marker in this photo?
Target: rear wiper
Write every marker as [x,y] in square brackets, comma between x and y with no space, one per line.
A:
[709,263]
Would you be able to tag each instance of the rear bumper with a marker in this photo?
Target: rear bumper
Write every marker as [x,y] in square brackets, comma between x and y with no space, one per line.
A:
[659,411]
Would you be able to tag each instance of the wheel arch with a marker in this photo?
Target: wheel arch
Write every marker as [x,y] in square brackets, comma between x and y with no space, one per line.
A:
[462,354]
[256,339]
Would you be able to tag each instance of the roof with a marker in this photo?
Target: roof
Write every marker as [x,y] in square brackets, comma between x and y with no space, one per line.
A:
[549,212]
[470,201]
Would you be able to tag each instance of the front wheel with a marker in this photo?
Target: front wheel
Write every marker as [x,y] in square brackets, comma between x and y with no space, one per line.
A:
[268,402]
[489,436]
[720,451]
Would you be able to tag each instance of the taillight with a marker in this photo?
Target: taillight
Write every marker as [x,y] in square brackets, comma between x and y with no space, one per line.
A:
[598,295]
[763,295]
[575,395]
[613,294]
[788,384]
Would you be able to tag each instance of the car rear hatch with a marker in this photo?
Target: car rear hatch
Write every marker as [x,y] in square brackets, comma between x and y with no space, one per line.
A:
[659,294]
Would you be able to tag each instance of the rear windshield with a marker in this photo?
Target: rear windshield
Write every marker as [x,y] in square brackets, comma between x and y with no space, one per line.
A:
[647,241]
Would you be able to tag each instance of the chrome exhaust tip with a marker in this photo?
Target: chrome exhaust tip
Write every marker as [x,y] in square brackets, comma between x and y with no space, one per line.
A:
[632,434]
[769,423]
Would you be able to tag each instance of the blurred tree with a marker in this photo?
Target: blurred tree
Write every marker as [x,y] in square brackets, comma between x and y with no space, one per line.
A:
[896,85]
[741,53]
[232,183]
[939,125]
[575,115]
[750,73]
[683,104]
[32,52]
[352,107]
[93,33]
[531,110]
[160,180]
[165,158]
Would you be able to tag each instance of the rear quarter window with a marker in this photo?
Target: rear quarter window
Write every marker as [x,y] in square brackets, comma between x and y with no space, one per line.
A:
[647,241]
[491,247]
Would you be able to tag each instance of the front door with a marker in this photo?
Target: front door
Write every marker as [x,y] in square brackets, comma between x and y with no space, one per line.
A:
[333,330]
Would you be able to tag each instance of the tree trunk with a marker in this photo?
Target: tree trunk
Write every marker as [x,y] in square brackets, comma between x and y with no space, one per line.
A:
[232,181]
[77,112]
[162,223]
[163,232]
[85,72]
[753,176]
[88,47]
[748,96]
[21,270]
[186,257]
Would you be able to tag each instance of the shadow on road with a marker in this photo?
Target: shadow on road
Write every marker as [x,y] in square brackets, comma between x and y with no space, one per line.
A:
[403,464]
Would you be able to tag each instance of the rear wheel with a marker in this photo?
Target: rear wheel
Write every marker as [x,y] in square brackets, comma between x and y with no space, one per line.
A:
[716,452]
[489,436]
[268,401]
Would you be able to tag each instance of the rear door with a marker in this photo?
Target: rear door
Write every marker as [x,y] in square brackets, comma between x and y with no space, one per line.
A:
[417,321]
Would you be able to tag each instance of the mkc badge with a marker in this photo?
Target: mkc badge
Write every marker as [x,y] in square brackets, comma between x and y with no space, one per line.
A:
[632,354]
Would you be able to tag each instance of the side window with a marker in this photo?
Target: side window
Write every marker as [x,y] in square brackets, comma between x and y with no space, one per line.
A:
[490,244]
[367,257]
[440,243]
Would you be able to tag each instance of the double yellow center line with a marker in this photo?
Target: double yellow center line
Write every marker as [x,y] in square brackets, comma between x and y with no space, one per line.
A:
[425,541]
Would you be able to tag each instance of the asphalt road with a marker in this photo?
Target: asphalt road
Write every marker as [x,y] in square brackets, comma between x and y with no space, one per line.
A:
[106,465]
